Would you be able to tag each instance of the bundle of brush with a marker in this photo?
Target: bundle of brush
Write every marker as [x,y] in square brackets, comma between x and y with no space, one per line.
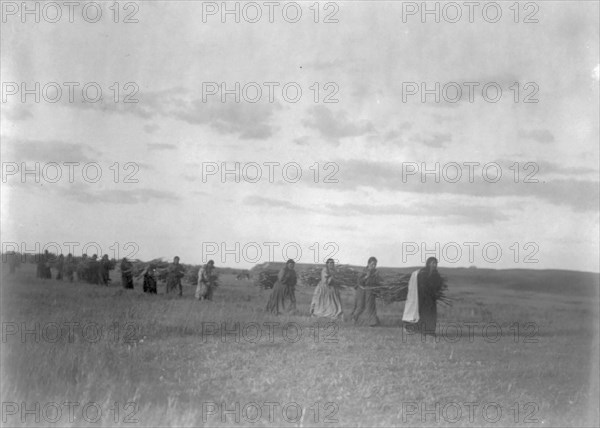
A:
[310,277]
[440,291]
[390,287]
[345,276]
[394,288]
[266,278]
[191,274]
[158,264]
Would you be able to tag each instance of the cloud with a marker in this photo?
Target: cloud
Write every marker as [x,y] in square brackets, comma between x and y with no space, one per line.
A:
[336,126]
[436,140]
[262,201]
[50,151]
[246,120]
[89,195]
[17,113]
[539,135]
[579,195]
[302,141]
[151,128]
[449,211]
[161,146]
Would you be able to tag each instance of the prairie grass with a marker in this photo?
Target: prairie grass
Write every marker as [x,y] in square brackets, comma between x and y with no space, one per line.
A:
[182,362]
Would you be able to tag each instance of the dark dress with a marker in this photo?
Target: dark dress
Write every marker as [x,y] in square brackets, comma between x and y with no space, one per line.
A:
[364,299]
[126,274]
[429,286]
[149,283]
[60,263]
[174,274]
[93,271]
[69,268]
[104,271]
[283,289]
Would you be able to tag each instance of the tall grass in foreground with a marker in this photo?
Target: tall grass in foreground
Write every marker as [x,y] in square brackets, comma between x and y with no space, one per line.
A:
[177,359]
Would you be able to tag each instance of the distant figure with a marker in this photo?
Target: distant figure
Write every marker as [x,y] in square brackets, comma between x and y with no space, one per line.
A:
[60,265]
[93,270]
[175,272]
[14,261]
[420,310]
[149,275]
[43,266]
[365,298]
[284,288]
[126,273]
[326,301]
[39,273]
[207,281]
[104,270]
[69,267]
[47,267]
[82,268]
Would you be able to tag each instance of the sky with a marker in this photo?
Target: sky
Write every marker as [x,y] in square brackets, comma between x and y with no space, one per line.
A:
[336,133]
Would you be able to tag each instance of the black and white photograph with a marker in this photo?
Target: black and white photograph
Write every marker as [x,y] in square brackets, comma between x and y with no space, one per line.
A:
[300,213]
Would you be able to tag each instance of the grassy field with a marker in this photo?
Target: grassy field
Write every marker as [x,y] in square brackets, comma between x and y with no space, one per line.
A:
[528,356]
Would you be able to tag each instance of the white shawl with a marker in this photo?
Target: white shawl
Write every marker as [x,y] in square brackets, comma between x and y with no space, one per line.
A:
[411,308]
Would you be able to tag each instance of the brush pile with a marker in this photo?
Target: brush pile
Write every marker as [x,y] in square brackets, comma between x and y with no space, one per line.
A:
[160,266]
[139,266]
[191,274]
[345,276]
[394,288]
[266,278]
[309,277]
[390,287]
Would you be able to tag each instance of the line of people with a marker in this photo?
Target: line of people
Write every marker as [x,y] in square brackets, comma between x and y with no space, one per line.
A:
[89,269]
[420,311]
[173,275]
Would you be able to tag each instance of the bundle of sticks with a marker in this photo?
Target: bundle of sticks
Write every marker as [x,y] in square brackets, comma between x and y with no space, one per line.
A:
[266,278]
[345,276]
[394,288]
[390,287]
[139,266]
[160,266]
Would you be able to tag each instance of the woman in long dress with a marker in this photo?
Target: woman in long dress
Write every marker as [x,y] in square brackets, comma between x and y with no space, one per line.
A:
[326,301]
[364,298]
[283,289]
[207,281]
[426,284]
